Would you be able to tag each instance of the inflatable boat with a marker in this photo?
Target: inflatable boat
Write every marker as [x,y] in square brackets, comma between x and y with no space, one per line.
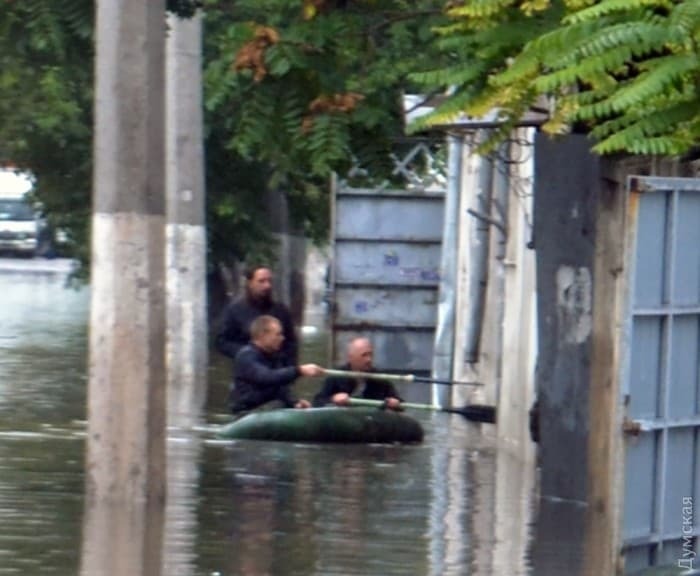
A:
[323,425]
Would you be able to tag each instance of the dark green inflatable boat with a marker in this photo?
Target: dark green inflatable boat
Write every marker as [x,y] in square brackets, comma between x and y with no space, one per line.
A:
[343,425]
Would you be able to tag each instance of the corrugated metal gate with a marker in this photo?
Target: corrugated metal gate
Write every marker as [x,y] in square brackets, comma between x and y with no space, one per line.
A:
[385,267]
[661,379]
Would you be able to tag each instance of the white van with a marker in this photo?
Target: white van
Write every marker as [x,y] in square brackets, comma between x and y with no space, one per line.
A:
[19,222]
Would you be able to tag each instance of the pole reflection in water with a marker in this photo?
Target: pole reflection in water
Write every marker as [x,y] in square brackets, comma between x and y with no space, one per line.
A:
[122,537]
[372,510]
[455,504]
[558,538]
[449,505]
[514,509]
[481,503]
[184,452]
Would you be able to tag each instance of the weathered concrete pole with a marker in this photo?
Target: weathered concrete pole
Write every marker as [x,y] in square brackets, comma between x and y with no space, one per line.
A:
[125,488]
[186,234]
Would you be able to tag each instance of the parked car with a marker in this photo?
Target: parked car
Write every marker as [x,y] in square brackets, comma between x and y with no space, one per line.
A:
[20,223]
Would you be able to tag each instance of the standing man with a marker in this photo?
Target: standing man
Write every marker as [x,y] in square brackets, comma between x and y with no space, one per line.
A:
[259,374]
[338,389]
[234,331]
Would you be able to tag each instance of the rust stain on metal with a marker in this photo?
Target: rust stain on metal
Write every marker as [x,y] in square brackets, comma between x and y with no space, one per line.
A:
[633,207]
[631,427]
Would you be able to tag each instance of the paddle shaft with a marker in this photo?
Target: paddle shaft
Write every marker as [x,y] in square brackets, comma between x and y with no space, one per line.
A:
[476,412]
[400,377]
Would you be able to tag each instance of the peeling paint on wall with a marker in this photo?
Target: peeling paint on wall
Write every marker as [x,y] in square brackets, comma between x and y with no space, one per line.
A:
[574,298]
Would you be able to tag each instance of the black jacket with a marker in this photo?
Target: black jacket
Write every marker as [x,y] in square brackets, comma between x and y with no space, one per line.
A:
[373,389]
[234,328]
[260,378]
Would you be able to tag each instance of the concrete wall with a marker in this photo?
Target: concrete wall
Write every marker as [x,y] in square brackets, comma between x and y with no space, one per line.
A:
[315,308]
[519,332]
[567,177]
[508,341]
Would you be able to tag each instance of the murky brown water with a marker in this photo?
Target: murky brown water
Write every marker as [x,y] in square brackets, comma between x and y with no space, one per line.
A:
[453,505]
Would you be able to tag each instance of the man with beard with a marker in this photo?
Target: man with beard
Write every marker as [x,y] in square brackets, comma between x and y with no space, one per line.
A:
[234,332]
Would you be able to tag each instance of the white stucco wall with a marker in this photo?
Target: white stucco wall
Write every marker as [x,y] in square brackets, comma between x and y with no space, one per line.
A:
[508,344]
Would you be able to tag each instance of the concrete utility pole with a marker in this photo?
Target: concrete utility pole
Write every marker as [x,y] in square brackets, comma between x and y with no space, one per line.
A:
[186,234]
[125,484]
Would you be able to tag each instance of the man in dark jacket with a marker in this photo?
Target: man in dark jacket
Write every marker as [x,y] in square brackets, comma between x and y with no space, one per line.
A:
[338,389]
[259,374]
[234,331]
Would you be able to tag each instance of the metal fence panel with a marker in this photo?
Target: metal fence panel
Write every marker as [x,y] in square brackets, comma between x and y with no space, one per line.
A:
[687,255]
[639,488]
[645,367]
[386,252]
[386,306]
[391,214]
[662,464]
[387,262]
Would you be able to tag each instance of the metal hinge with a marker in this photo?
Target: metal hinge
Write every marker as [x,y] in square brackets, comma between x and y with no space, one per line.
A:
[636,427]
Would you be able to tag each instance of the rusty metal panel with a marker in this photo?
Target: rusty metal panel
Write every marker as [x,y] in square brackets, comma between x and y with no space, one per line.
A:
[385,275]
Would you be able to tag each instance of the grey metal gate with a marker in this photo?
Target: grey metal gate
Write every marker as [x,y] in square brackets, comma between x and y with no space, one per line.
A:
[661,377]
[385,269]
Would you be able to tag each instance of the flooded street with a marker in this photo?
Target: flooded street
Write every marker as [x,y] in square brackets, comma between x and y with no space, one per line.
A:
[453,505]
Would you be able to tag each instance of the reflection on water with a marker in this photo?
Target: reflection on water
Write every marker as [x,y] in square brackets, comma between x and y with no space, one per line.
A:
[42,392]
[361,509]
[453,505]
[181,529]
[40,504]
[42,350]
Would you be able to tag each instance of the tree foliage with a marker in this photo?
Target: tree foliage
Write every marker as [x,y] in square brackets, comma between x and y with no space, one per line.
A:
[314,86]
[46,87]
[296,89]
[293,90]
[46,105]
[624,71]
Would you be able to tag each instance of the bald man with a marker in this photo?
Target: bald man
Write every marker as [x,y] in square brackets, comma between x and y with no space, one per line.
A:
[338,389]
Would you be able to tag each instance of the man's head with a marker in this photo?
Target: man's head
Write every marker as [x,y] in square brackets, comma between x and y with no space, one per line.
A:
[266,333]
[360,354]
[259,284]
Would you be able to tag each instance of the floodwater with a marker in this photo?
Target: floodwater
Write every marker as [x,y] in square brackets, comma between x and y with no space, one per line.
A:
[452,505]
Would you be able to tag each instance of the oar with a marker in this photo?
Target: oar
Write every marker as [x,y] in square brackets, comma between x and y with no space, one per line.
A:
[475,412]
[400,377]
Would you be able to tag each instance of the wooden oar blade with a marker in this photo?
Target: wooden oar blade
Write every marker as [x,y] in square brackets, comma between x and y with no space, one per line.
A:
[475,412]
